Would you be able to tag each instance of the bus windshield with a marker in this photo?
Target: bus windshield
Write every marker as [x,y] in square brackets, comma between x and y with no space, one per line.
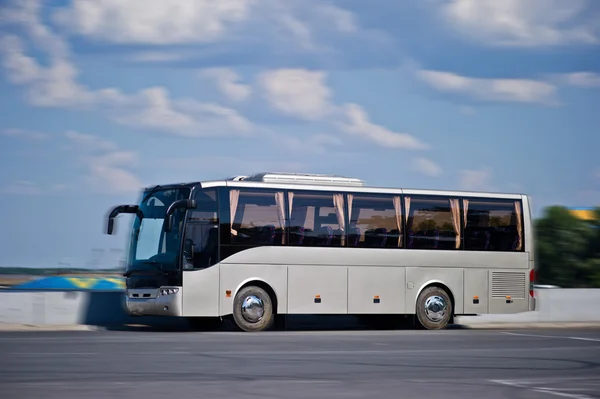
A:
[151,248]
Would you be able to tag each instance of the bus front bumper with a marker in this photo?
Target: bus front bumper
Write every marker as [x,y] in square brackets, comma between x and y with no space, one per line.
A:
[165,301]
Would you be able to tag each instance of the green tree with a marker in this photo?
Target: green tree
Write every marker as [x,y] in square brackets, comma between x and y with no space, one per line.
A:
[567,249]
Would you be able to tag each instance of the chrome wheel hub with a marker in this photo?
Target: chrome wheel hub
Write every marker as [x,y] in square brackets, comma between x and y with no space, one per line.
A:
[252,309]
[435,308]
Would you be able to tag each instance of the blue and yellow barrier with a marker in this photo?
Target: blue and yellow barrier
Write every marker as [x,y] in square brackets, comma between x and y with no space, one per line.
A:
[74,283]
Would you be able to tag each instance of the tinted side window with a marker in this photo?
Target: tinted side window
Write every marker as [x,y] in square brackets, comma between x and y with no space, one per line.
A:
[433,222]
[375,221]
[493,225]
[258,217]
[202,232]
[317,219]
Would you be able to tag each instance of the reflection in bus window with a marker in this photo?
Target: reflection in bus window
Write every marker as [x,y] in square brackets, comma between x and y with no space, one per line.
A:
[375,221]
[258,217]
[433,222]
[317,219]
[201,245]
[493,225]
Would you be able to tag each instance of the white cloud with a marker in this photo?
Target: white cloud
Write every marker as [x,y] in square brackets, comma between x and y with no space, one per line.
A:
[56,85]
[227,81]
[108,173]
[26,13]
[297,92]
[476,180]
[29,188]
[214,119]
[582,79]
[525,22]
[23,187]
[298,25]
[108,167]
[358,124]
[152,108]
[20,69]
[427,167]
[89,142]
[342,20]
[153,21]
[510,90]
[158,56]
[304,94]
[299,31]
[311,24]
[24,134]
[156,112]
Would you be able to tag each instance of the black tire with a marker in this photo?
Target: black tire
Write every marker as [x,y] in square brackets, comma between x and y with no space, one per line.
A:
[251,322]
[439,301]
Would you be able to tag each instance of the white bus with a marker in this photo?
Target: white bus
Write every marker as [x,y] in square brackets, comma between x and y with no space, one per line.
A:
[253,247]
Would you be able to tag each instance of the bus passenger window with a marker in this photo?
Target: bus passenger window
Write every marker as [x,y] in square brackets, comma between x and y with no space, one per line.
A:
[317,219]
[433,222]
[259,217]
[493,225]
[375,221]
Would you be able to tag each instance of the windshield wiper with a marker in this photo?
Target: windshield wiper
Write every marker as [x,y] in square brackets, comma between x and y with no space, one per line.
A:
[152,191]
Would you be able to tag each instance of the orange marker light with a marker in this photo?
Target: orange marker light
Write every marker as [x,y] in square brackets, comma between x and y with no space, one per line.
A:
[228,293]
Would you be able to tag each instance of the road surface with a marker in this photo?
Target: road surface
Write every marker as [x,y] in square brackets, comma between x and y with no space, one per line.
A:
[525,364]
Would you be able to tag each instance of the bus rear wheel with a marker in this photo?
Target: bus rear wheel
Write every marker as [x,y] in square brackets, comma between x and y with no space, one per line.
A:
[253,309]
[434,308]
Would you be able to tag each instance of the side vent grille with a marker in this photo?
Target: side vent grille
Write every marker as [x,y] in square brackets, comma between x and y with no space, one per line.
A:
[508,284]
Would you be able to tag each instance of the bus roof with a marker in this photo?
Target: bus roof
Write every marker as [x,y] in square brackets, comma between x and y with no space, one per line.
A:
[324,182]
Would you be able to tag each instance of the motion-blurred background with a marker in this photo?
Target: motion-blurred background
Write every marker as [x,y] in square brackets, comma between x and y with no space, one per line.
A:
[101,97]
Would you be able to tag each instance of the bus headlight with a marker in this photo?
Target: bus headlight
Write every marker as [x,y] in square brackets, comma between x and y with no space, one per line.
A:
[169,291]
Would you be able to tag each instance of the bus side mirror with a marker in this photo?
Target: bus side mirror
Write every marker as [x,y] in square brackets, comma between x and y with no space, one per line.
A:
[111,226]
[116,211]
[185,203]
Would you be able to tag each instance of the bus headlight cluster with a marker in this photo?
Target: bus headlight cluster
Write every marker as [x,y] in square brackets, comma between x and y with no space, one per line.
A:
[169,291]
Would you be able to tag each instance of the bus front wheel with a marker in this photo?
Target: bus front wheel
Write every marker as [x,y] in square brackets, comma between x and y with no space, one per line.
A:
[434,308]
[253,309]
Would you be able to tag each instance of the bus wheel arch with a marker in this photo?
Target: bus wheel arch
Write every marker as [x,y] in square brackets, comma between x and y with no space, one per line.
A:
[254,306]
[256,282]
[435,306]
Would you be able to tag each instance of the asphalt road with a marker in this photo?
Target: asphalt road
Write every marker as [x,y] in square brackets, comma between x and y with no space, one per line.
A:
[462,364]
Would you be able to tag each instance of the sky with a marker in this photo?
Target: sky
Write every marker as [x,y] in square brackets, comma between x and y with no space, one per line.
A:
[103,97]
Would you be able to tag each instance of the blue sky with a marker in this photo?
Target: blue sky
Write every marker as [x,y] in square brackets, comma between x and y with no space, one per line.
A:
[102,97]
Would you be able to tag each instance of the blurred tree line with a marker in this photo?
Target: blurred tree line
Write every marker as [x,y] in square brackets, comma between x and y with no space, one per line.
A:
[567,249]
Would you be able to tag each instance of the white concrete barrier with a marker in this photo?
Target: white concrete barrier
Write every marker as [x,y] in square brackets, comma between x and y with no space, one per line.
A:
[42,308]
[69,308]
[62,308]
[560,305]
